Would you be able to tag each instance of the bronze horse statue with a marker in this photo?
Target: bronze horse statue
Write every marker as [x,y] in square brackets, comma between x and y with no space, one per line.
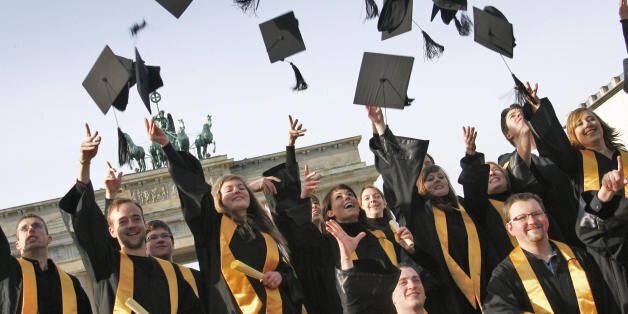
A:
[135,153]
[205,139]
[183,141]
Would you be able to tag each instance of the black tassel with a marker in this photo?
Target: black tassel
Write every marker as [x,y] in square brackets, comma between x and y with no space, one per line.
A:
[136,28]
[247,6]
[463,25]
[408,101]
[371,9]
[433,50]
[301,84]
[521,92]
[123,148]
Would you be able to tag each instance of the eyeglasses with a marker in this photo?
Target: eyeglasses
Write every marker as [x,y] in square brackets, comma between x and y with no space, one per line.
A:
[154,237]
[525,217]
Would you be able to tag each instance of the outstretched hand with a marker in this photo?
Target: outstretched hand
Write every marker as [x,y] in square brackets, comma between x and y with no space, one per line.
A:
[264,184]
[469,135]
[309,182]
[296,131]
[346,243]
[623,9]
[155,134]
[613,182]
[113,181]
[533,99]
[377,118]
[89,146]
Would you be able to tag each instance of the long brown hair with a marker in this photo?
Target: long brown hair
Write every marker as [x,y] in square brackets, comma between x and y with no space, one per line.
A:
[256,217]
[387,212]
[610,134]
[450,198]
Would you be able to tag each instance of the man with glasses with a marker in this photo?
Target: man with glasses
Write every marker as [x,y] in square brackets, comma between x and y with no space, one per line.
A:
[542,275]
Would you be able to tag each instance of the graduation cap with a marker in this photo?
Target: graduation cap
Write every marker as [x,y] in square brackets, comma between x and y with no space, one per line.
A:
[108,83]
[384,80]
[283,39]
[626,75]
[448,10]
[175,7]
[493,31]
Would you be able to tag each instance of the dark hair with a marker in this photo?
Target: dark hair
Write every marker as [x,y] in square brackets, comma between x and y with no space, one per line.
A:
[27,216]
[428,156]
[315,199]
[387,212]
[610,134]
[158,224]
[449,199]
[326,206]
[503,120]
[520,197]
[121,201]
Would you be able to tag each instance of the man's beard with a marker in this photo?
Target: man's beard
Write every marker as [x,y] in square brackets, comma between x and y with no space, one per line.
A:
[133,246]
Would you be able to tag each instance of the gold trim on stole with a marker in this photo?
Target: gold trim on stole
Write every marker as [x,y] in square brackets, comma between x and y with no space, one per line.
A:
[534,290]
[189,277]
[499,207]
[126,281]
[590,174]
[29,289]
[248,301]
[387,246]
[469,286]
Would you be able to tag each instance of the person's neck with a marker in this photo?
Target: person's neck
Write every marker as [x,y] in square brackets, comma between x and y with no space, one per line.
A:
[541,249]
[135,252]
[374,213]
[419,310]
[40,255]
[347,221]
[600,147]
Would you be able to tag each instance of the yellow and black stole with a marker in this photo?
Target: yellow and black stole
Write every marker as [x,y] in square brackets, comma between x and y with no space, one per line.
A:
[241,288]
[189,278]
[533,288]
[469,285]
[126,285]
[590,173]
[387,246]
[499,207]
[29,289]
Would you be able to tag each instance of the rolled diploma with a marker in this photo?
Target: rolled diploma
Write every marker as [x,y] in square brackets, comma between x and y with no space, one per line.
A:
[246,269]
[395,226]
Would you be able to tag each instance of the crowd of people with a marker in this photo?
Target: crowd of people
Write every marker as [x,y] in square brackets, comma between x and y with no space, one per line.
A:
[542,230]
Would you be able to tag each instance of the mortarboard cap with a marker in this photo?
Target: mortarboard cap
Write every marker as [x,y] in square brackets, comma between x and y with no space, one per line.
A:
[626,75]
[175,7]
[108,81]
[493,31]
[451,4]
[148,79]
[384,80]
[283,39]
[395,18]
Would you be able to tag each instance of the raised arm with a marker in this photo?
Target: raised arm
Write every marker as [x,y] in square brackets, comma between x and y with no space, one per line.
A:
[399,160]
[474,177]
[90,225]
[5,256]
[623,15]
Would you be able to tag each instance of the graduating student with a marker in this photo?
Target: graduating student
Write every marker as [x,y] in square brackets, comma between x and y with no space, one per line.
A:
[448,241]
[33,283]
[231,226]
[409,294]
[123,271]
[486,187]
[603,227]
[544,276]
[529,172]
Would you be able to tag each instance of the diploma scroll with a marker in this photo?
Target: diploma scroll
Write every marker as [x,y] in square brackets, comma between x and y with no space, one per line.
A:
[246,269]
[135,307]
[394,226]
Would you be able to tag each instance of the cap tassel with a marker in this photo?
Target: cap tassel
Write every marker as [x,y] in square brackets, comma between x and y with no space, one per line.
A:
[433,50]
[123,148]
[371,9]
[137,27]
[521,92]
[301,84]
[247,6]
[463,25]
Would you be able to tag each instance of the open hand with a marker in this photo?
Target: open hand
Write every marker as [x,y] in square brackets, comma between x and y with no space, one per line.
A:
[346,243]
[264,184]
[309,182]
[469,135]
[155,134]
[296,131]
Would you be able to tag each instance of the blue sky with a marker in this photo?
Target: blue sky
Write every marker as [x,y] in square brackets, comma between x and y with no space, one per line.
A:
[214,62]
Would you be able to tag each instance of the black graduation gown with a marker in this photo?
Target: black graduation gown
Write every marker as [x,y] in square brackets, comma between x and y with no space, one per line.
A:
[362,292]
[293,218]
[624,26]
[506,294]
[48,285]
[204,222]
[474,180]
[603,227]
[103,266]
[553,186]
[399,160]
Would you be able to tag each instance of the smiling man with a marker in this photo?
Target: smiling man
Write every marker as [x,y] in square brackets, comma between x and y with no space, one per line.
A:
[409,295]
[33,283]
[115,250]
[544,276]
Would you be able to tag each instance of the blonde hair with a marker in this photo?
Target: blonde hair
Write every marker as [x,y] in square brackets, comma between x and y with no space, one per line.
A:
[450,198]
